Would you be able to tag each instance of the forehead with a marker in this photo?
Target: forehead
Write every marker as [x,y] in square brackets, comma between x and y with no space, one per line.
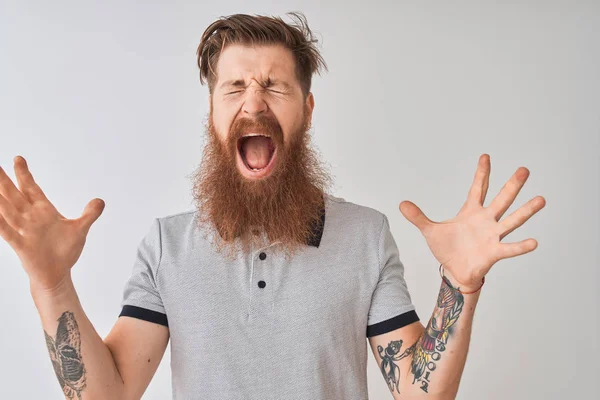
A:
[239,61]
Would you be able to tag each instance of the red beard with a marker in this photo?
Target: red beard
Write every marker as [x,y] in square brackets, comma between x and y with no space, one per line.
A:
[285,205]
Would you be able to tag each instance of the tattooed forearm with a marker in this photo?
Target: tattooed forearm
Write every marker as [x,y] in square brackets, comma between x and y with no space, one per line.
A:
[433,341]
[65,353]
[389,369]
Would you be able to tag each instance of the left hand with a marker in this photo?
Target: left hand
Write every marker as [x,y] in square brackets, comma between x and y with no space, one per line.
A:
[468,245]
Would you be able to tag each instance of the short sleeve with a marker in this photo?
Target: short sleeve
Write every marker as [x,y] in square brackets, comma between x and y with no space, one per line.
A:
[141,298]
[391,305]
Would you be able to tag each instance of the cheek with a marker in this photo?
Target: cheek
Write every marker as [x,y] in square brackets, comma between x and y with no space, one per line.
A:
[222,123]
[290,121]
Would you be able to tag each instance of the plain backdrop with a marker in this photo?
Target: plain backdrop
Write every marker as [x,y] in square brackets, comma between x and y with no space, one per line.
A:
[103,100]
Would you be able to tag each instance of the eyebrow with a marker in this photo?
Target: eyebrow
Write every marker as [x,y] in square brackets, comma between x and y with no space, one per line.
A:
[234,82]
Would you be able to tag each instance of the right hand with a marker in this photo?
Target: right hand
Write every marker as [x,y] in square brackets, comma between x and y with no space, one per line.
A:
[47,243]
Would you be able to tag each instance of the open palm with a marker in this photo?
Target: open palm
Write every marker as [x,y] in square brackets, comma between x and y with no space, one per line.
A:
[47,243]
[469,244]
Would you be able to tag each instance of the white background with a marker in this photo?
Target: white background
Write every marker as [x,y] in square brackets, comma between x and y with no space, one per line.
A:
[103,100]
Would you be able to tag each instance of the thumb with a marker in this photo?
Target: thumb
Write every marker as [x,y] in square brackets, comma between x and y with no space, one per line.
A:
[414,215]
[92,211]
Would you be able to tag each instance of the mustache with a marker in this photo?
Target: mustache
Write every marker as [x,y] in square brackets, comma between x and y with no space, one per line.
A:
[263,124]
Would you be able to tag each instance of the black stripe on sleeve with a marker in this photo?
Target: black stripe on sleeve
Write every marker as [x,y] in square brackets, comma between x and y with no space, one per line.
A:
[393,323]
[145,314]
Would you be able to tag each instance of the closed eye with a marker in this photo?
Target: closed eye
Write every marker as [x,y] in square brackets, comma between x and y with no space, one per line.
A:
[276,91]
[271,90]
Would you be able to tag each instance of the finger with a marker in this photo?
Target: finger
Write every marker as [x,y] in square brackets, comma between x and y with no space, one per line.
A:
[414,215]
[507,250]
[520,216]
[11,193]
[92,211]
[27,184]
[509,192]
[11,236]
[481,181]
[9,213]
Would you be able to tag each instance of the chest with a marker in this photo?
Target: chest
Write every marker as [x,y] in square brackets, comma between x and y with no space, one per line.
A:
[266,292]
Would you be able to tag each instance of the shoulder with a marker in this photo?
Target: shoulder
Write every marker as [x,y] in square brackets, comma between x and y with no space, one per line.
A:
[178,224]
[178,217]
[351,216]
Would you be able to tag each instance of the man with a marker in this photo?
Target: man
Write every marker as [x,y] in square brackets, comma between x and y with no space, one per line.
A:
[268,288]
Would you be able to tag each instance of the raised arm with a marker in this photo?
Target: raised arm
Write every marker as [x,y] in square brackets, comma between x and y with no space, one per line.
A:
[48,245]
[427,362]
[87,367]
[431,359]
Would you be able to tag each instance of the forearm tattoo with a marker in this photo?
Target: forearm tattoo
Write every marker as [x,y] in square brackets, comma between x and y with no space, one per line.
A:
[432,343]
[65,353]
[389,369]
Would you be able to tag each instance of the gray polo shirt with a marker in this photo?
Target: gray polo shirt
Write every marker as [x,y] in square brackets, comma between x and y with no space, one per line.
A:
[261,327]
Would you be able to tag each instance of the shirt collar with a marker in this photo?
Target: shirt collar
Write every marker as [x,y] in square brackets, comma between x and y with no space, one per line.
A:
[317,230]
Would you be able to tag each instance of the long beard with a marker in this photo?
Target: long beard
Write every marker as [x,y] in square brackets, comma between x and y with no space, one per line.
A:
[285,205]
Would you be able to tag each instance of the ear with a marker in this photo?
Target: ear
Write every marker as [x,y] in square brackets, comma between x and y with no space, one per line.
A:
[310,105]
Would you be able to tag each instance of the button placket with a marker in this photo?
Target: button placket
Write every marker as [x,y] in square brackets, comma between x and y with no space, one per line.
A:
[262,295]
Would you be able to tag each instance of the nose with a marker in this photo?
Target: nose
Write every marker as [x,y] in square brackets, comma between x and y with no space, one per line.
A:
[254,104]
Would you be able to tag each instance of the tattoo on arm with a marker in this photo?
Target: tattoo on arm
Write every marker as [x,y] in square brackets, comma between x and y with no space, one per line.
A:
[65,353]
[433,341]
[389,369]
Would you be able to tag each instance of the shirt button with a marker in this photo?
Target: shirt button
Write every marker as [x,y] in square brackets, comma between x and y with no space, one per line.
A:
[262,256]
[262,284]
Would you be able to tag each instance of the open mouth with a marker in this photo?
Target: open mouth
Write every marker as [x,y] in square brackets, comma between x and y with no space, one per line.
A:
[256,154]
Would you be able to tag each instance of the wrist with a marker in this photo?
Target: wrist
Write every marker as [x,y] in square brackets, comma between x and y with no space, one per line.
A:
[61,289]
[463,288]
